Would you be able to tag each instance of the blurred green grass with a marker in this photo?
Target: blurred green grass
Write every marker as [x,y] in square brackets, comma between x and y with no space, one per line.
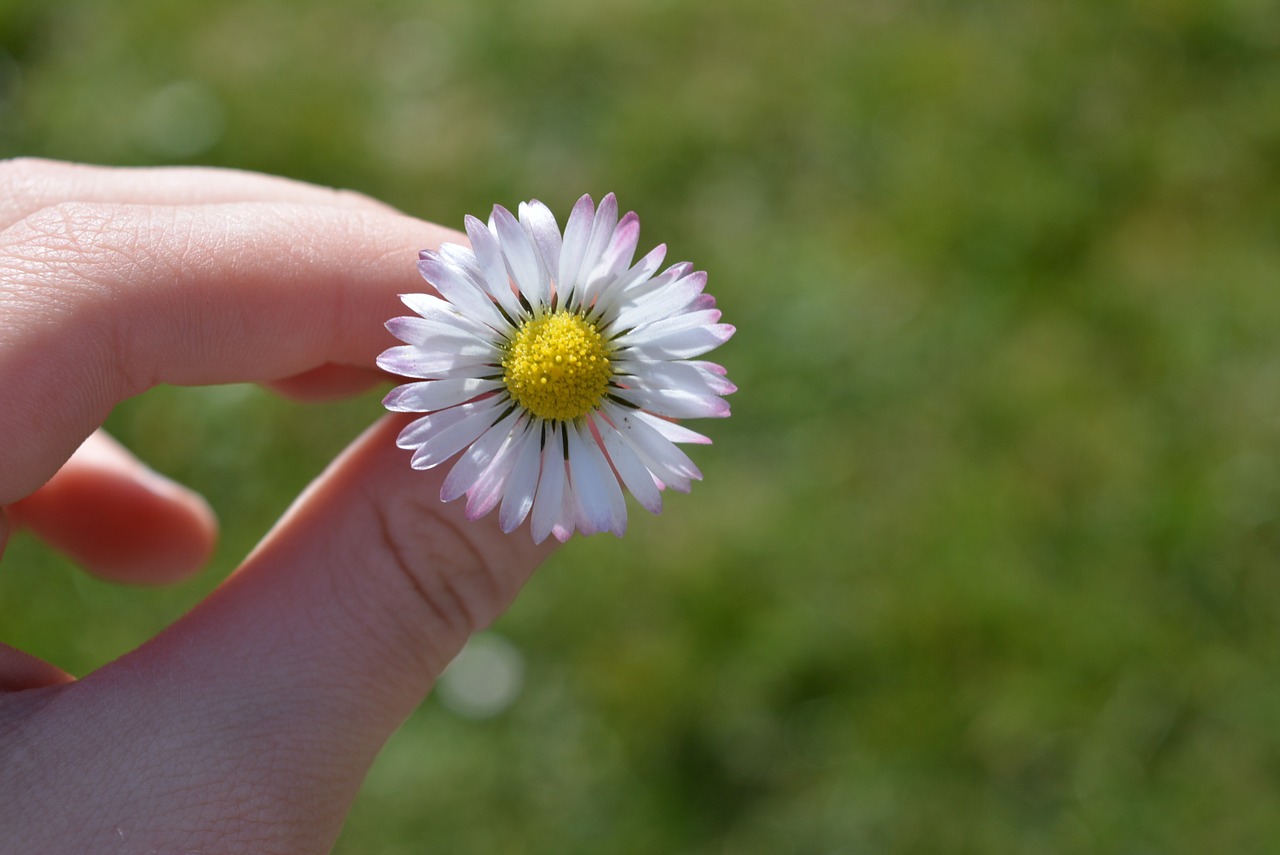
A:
[986,559]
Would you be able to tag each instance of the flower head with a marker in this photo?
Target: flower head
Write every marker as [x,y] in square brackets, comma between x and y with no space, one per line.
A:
[556,366]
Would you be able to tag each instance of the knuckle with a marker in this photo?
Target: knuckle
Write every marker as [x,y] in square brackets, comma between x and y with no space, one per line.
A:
[44,254]
[24,183]
[62,225]
[26,162]
[20,172]
[61,252]
[356,199]
[445,572]
[90,240]
[72,263]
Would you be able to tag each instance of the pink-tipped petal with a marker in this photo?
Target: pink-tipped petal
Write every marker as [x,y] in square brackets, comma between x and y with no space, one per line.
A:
[461,291]
[653,305]
[594,484]
[571,514]
[714,376]
[664,326]
[436,336]
[606,220]
[676,403]
[685,344]
[540,223]
[642,271]
[548,501]
[424,331]
[670,430]
[486,491]
[475,460]
[430,395]
[635,475]
[667,462]
[577,234]
[440,394]
[493,269]
[662,375]
[518,498]
[615,260]
[439,310]
[522,259]
[411,361]
[440,445]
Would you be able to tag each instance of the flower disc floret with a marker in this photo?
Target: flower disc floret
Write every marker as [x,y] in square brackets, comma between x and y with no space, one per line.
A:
[557,366]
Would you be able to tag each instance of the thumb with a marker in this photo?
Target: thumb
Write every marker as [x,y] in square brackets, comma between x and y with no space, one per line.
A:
[368,582]
[279,689]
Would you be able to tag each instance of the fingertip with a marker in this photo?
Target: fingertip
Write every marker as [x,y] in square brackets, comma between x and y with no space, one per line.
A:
[327,383]
[140,531]
[120,520]
[20,671]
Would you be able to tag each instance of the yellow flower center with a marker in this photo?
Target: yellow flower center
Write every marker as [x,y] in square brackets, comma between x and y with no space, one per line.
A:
[557,366]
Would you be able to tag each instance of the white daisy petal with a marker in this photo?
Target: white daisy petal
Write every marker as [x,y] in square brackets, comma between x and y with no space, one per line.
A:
[540,223]
[491,484]
[458,289]
[591,508]
[464,260]
[685,344]
[714,376]
[422,331]
[659,375]
[419,430]
[440,445]
[621,250]
[475,460]
[523,481]
[641,272]
[671,430]
[431,395]
[663,326]
[635,288]
[634,311]
[667,462]
[492,268]
[548,502]
[631,469]
[522,259]
[571,515]
[437,309]
[594,484]
[550,368]
[602,229]
[411,361]
[577,234]
[675,403]
[455,372]
[615,260]
[437,335]
[488,489]
[403,399]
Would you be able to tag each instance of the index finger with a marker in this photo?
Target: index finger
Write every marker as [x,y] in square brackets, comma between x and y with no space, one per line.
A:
[99,302]
[28,184]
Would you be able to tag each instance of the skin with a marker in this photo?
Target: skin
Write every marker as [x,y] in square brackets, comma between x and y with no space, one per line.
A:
[248,725]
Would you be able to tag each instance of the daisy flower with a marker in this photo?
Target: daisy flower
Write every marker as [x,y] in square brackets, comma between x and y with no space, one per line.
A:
[555,367]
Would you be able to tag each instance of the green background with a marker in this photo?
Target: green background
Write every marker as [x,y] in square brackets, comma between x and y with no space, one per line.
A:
[988,557]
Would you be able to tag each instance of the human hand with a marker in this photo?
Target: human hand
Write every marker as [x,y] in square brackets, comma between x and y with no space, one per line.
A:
[248,725]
